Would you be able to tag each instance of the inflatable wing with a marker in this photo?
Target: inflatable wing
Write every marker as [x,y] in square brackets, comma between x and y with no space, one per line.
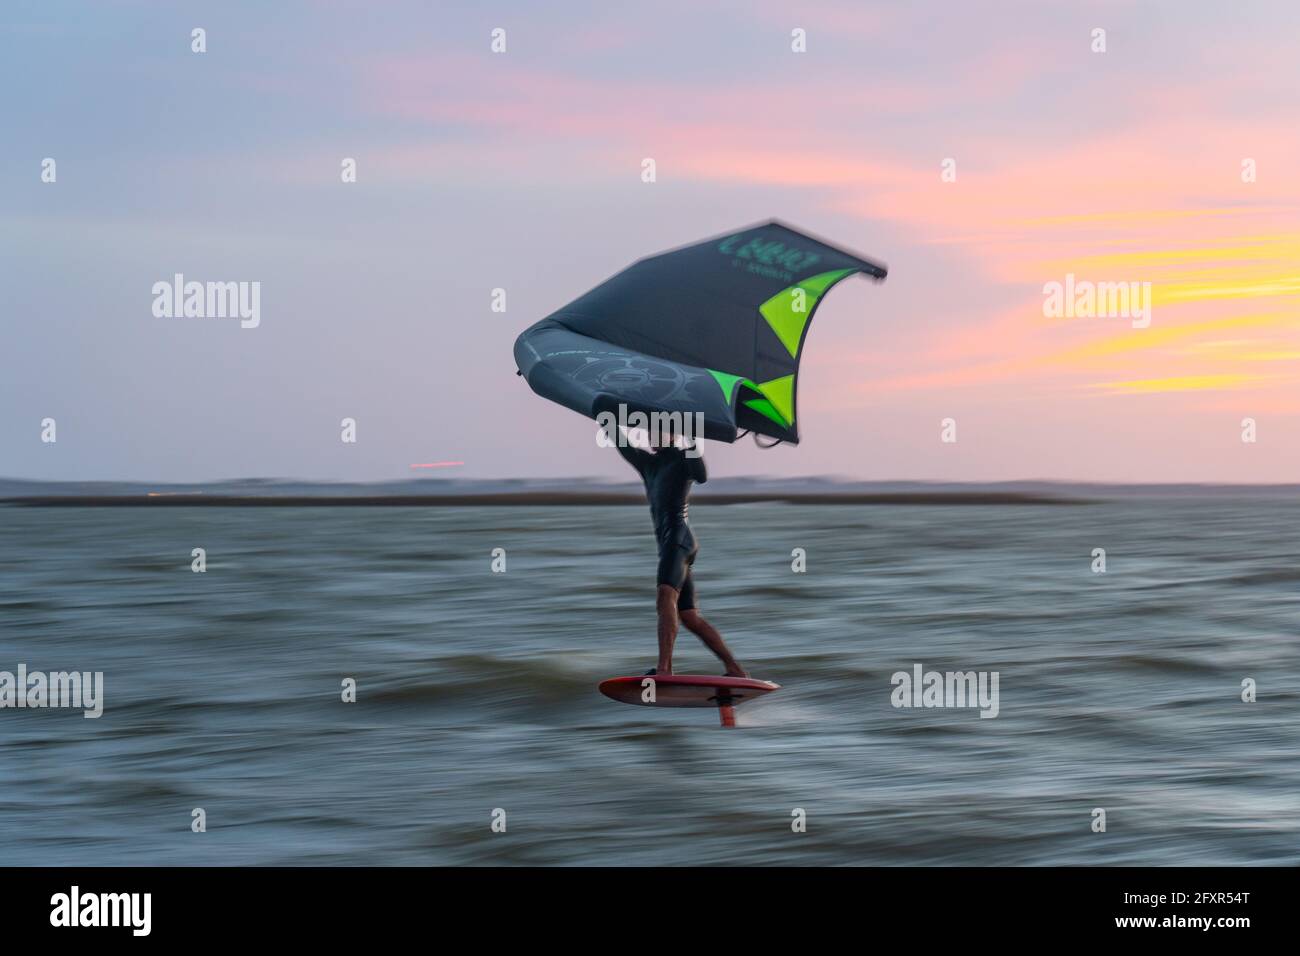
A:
[716,327]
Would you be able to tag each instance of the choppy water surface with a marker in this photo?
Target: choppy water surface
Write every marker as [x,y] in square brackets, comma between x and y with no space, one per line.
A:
[478,690]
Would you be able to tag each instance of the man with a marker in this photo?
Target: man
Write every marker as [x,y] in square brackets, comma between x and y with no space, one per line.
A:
[668,473]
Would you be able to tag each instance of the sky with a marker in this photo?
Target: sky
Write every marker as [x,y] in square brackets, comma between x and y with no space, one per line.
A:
[982,151]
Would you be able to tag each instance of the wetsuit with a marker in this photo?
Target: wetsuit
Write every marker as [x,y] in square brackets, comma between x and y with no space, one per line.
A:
[668,474]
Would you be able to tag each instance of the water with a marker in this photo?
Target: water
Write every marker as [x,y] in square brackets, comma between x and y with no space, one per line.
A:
[477,690]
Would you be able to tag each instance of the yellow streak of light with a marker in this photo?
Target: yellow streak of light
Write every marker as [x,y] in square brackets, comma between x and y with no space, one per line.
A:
[1185,383]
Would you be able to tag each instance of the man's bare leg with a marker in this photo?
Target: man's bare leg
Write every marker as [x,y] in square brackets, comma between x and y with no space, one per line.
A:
[666,606]
[707,633]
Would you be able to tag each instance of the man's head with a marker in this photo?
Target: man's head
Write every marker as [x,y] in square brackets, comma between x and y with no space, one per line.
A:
[667,433]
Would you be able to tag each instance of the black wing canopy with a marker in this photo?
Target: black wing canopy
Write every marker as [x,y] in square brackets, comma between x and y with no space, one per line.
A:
[715,328]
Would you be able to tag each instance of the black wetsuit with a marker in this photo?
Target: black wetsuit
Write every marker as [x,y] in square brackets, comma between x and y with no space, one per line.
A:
[668,475]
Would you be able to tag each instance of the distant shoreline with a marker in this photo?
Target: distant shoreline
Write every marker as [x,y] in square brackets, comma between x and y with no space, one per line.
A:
[535,498]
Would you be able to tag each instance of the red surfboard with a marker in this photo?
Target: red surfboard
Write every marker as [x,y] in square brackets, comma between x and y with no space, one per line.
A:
[688,690]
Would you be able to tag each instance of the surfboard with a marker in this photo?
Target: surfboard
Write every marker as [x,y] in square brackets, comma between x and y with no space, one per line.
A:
[688,690]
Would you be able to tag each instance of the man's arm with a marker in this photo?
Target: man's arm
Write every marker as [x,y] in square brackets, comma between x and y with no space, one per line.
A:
[699,474]
[635,457]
